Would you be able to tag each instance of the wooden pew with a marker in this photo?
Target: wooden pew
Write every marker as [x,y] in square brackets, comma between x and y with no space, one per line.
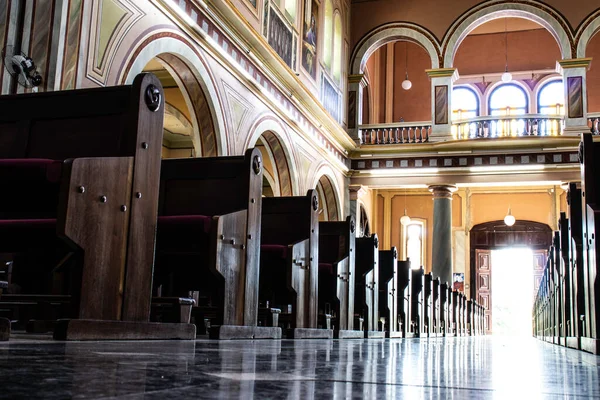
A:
[444,309]
[456,304]
[417,281]
[388,292]
[208,240]
[336,276]
[590,190]
[403,297]
[366,285]
[4,322]
[75,162]
[575,268]
[426,327]
[436,309]
[289,261]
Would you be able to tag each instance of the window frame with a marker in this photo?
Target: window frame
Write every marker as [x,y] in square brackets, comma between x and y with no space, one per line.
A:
[491,95]
[541,89]
[404,229]
[477,97]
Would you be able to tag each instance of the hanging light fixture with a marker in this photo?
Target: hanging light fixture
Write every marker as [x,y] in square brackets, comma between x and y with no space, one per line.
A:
[405,219]
[506,76]
[406,84]
[509,220]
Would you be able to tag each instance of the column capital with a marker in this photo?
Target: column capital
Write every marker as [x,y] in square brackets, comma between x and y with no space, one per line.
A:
[573,63]
[357,191]
[443,73]
[442,191]
[357,78]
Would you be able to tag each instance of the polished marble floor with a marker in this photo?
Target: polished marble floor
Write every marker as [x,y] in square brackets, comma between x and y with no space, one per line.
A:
[456,368]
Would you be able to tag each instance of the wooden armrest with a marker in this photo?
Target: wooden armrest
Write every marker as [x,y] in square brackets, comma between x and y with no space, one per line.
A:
[174,300]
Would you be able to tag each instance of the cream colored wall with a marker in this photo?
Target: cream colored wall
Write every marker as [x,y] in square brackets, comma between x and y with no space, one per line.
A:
[470,207]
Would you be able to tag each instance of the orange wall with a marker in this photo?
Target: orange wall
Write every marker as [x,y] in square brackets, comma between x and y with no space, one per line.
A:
[484,207]
[437,16]
[527,50]
[525,206]
[412,105]
[593,75]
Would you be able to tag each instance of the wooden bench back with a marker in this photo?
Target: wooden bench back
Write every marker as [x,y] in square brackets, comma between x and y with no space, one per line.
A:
[99,122]
[123,126]
[287,220]
[336,240]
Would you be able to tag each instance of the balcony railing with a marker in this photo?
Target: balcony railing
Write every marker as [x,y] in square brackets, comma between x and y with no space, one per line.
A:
[397,133]
[508,126]
[594,123]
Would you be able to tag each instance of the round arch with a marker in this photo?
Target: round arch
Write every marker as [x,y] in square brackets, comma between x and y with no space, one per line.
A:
[529,95]
[272,134]
[392,33]
[195,81]
[329,194]
[536,12]
[586,32]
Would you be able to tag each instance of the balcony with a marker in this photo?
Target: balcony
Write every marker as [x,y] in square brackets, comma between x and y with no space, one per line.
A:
[396,133]
[487,127]
[508,126]
[594,123]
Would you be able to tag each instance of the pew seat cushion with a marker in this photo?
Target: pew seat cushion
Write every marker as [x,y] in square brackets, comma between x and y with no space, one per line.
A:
[19,234]
[326,268]
[188,233]
[274,250]
[31,188]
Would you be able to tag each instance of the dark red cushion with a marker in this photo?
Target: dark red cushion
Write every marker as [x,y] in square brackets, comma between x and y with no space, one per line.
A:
[274,250]
[22,234]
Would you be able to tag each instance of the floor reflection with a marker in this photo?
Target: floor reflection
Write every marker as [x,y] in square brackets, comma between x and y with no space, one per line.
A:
[455,368]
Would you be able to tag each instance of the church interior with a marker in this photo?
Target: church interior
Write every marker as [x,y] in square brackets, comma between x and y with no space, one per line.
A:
[299,199]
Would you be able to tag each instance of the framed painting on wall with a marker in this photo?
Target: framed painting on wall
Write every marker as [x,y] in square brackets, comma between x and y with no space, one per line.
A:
[458,283]
[309,38]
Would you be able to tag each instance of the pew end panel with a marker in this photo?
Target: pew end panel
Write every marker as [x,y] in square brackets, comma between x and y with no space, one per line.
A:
[291,224]
[337,272]
[220,198]
[107,142]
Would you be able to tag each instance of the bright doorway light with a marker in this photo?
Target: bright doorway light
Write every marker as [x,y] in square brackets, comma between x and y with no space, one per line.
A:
[512,283]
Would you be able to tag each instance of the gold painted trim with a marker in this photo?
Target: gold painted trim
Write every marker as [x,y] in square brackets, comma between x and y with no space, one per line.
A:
[573,63]
[443,73]
[356,78]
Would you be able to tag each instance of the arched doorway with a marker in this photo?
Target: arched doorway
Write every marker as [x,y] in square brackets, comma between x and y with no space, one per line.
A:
[183,71]
[495,235]
[277,179]
[328,203]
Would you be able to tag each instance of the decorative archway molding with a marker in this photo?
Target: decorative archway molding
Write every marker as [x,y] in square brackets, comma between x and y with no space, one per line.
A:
[268,123]
[174,49]
[393,32]
[585,33]
[532,10]
[324,171]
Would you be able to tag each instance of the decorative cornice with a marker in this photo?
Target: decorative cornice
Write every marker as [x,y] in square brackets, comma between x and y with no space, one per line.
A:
[443,73]
[573,63]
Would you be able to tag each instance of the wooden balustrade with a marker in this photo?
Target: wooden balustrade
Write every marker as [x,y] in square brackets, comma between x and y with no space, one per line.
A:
[594,123]
[404,132]
[508,126]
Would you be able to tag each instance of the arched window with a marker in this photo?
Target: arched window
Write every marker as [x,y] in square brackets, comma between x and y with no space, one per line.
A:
[465,103]
[414,243]
[290,10]
[508,99]
[328,34]
[337,48]
[551,98]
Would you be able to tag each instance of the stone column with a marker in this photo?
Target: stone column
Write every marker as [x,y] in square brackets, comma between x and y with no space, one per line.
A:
[356,84]
[441,259]
[573,72]
[442,80]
